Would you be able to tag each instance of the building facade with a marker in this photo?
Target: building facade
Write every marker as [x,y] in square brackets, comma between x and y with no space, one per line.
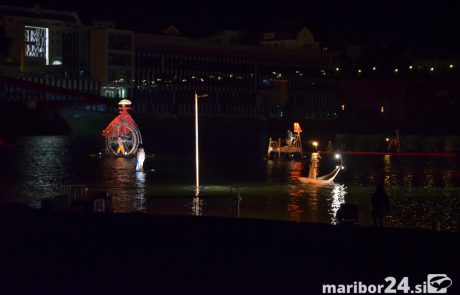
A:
[162,71]
[44,40]
[262,81]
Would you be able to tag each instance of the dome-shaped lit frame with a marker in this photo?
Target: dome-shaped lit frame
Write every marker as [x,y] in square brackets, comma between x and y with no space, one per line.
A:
[123,131]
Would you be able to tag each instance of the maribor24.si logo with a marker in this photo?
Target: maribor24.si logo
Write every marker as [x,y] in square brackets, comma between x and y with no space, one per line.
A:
[434,284]
[438,283]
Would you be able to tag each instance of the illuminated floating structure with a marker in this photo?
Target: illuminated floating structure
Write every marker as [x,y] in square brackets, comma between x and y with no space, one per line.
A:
[313,171]
[122,136]
[293,144]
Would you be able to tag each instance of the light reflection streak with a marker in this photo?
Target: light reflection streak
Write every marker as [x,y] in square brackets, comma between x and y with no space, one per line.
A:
[140,191]
[294,209]
[338,198]
[387,169]
[43,168]
[197,206]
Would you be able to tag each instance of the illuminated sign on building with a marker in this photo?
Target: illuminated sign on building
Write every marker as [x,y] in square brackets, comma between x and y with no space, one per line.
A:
[36,43]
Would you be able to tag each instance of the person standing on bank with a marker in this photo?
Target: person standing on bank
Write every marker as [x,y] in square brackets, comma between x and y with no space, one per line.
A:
[380,205]
[140,159]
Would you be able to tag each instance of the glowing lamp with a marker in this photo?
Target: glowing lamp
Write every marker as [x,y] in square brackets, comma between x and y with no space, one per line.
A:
[387,139]
[337,156]
[297,128]
[315,144]
[125,102]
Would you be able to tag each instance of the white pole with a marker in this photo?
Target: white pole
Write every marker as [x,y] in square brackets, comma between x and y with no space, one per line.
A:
[197,165]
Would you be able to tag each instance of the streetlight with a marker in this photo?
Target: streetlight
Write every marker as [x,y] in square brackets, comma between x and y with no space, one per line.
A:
[315,144]
[197,164]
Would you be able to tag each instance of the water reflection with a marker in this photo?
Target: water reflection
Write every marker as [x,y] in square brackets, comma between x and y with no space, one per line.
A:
[42,167]
[338,198]
[294,209]
[387,171]
[139,198]
[126,186]
[197,205]
[421,189]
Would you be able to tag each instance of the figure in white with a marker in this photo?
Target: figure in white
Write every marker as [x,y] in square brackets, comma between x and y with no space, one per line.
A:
[140,159]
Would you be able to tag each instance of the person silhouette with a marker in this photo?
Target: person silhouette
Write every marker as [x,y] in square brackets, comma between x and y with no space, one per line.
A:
[289,138]
[380,205]
[348,214]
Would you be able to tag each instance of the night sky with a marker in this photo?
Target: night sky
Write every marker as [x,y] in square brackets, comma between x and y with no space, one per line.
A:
[428,27]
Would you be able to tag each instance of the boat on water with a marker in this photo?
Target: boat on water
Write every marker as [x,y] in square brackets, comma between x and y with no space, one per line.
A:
[313,171]
[293,145]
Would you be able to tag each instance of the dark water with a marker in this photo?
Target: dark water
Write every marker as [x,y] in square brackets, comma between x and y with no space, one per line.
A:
[421,189]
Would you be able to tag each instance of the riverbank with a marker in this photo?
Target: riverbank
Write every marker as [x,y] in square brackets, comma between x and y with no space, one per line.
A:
[21,119]
[132,253]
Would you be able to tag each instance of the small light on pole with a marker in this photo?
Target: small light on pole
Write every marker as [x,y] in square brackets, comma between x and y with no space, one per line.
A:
[315,144]
[197,162]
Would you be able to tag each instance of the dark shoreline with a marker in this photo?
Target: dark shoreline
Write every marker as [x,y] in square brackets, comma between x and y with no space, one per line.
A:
[18,119]
[73,253]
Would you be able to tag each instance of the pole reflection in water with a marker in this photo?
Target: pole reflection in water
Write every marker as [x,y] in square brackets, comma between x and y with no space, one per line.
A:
[338,198]
[197,205]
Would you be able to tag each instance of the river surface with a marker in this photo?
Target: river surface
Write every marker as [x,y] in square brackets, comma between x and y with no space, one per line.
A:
[421,189]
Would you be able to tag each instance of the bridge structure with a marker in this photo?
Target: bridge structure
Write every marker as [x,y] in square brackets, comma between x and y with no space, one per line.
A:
[36,93]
